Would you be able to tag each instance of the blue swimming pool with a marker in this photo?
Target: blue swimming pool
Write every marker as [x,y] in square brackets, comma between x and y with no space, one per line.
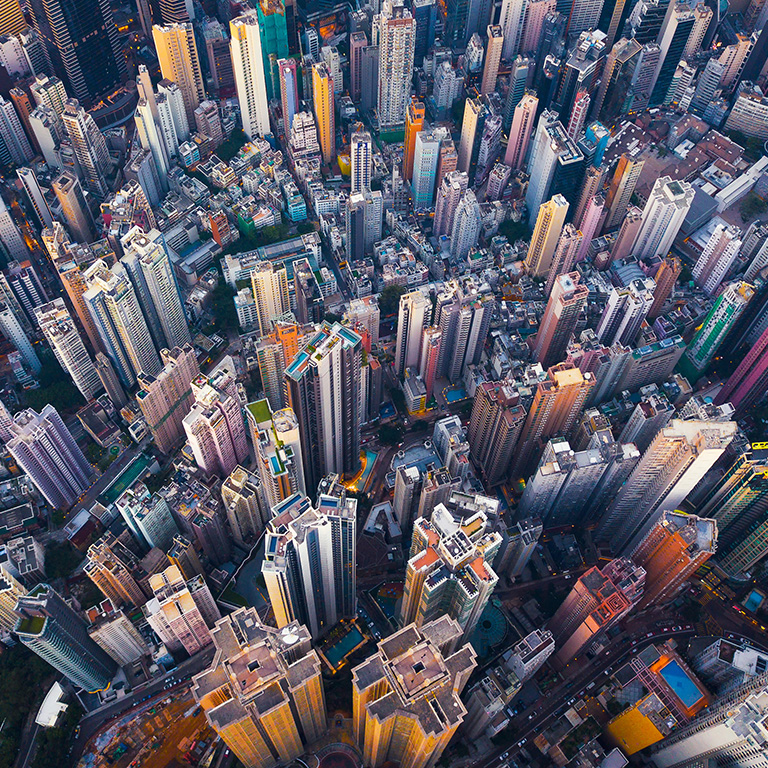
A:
[682,685]
[454,394]
[754,601]
[342,647]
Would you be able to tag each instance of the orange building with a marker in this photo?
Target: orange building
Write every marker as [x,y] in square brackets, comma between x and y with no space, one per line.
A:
[414,122]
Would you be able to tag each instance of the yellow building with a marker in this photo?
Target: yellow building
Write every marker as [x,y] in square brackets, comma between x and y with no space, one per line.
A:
[322,98]
[414,122]
[406,704]
[546,233]
[263,694]
[179,62]
[10,591]
[639,726]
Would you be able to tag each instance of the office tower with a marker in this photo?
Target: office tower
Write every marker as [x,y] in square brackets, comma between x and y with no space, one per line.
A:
[160,143]
[24,107]
[589,223]
[358,41]
[110,566]
[494,428]
[449,570]
[148,517]
[425,14]
[117,315]
[245,505]
[25,286]
[12,20]
[733,59]
[565,304]
[625,312]
[535,14]
[11,589]
[520,131]
[369,78]
[152,275]
[463,315]
[394,713]
[55,322]
[166,398]
[263,693]
[310,563]
[519,544]
[673,39]
[289,91]
[493,51]
[407,491]
[572,487]
[717,257]
[276,443]
[555,166]
[52,630]
[250,77]
[364,212]
[666,278]
[330,55]
[181,613]
[473,110]
[430,354]
[599,600]
[721,318]
[621,188]
[35,196]
[518,79]
[86,40]
[114,633]
[546,233]
[675,547]
[425,160]
[74,207]
[215,427]
[676,460]
[323,102]
[272,16]
[663,215]
[270,292]
[730,731]
[613,93]
[14,145]
[556,407]
[324,391]
[89,146]
[394,32]
[182,554]
[13,331]
[746,386]
[651,415]
[512,21]
[413,316]
[172,115]
[707,86]
[45,449]
[46,130]
[360,156]
[179,63]
[702,17]
[10,236]
[449,195]
[466,226]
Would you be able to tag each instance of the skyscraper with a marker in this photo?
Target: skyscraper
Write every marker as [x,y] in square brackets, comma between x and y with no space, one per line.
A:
[86,40]
[599,600]
[621,187]
[76,212]
[323,384]
[55,322]
[473,110]
[110,566]
[273,24]
[270,292]
[414,123]
[276,443]
[673,39]
[493,51]
[564,258]
[449,194]
[518,79]
[665,278]
[512,21]
[310,563]
[675,547]
[394,32]
[250,78]
[52,630]
[556,406]
[413,316]
[397,693]
[521,130]
[425,160]
[360,156]
[323,101]
[625,312]
[675,462]
[466,226]
[12,19]
[663,216]
[29,180]
[717,257]
[89,145]
[113,631]
[721,318]
[180,63]
[165,398]
[45,449]
[244,503]
[263,693]
[461,552]
[148,517]
[566,302]
[14,145]
[10,235]
[289,91]
[549,225]
[358,41]
[215,426]
[117,315]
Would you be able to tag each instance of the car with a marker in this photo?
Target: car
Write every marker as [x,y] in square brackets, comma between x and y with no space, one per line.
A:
[505,755]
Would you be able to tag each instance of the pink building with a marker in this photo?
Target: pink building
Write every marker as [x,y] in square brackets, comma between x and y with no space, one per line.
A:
[749,381]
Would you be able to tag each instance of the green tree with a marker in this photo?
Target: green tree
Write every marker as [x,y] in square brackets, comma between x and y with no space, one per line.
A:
[224,307]
[61,558]
[389,299]
[514,230]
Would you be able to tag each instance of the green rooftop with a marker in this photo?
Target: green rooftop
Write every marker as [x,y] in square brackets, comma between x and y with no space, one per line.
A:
[31,625]
[260,411]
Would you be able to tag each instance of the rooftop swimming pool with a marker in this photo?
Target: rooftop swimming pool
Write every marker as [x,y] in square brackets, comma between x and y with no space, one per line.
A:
[336,652]
[682,685]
